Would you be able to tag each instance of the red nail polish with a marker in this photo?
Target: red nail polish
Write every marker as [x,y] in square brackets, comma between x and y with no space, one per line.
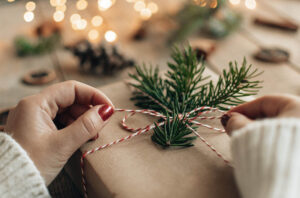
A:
[224,119]
[96,137]
[105,112]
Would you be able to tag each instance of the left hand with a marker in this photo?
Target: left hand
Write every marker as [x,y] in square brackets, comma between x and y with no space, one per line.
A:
[270,106]
[83,109]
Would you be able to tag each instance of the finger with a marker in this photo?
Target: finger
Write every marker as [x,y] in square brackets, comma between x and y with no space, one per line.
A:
[266,106]
[236,121]
[65,94]
[85,127]
[76,110]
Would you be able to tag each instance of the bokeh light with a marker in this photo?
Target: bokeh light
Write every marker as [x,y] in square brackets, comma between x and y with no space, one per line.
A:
[235,2]
[75,17]
[146,13]
[153,7]
[250,4]
[81,4]
[97,21]
[104,4]
[139,6]
[55,3]
[58,16]
[30,6]
[81,24]
[110,36]
[28,16]
[93,34]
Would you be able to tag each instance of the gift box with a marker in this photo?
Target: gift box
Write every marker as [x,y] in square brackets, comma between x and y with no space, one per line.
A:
[139,168]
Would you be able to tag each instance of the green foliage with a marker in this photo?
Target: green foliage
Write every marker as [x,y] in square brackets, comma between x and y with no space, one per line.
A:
[212,22]
[25,47]
[184,88]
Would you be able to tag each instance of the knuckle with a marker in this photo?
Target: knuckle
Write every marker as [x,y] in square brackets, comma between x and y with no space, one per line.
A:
[88,126]
[25,102]
[29,102]
[71,83]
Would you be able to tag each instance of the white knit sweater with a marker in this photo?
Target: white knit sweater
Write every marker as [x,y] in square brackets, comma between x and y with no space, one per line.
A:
[18,175]
[266,157]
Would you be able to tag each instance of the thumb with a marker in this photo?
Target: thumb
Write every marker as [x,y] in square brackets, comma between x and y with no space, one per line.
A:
[234,121]
[85,127]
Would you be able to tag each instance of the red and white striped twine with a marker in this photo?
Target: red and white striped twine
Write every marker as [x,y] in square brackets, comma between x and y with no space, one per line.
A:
[200,111]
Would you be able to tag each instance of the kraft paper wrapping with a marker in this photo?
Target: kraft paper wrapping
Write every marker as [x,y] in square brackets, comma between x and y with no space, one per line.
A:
[139,168]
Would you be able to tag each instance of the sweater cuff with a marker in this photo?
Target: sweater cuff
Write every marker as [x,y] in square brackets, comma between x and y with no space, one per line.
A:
[19,176]
[266,158]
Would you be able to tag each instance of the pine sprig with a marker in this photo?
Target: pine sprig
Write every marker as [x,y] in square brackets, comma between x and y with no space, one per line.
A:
[184,88]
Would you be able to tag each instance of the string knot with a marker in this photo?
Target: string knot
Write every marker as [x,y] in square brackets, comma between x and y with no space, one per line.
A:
[180,116]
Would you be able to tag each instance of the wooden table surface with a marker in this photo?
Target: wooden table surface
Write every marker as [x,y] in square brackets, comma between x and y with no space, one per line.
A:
[278,78]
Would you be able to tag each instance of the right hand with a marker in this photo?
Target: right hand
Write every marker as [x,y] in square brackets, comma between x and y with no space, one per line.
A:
[83,110]
[264,107]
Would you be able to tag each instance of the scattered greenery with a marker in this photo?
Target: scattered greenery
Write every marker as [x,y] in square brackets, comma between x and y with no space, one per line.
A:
[215,22]
[184,88]
[25,47]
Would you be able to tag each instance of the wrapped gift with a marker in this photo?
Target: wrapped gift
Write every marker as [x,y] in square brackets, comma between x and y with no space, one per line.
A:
[139,168]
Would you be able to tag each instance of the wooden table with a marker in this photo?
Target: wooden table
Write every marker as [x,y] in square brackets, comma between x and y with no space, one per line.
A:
[278,78]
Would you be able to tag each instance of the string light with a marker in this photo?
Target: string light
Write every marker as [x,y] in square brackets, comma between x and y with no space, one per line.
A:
[81,4]
[97,21]
[105,4]
[81,24]
[10,1]
[139,6]
[77,22]
[250,4]
[55,3]
[93,34]
[235,2]
[58,16]
[30,6]
[146,13]
[110,36]
[74,18]
[28,16]
[153,7]
[146,10]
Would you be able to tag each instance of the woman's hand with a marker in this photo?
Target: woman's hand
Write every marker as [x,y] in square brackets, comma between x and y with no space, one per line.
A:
[82,109]
[264,107]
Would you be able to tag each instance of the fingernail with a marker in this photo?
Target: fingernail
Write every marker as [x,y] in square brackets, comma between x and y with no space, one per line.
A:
[96,137]
[105,112]
[224,119]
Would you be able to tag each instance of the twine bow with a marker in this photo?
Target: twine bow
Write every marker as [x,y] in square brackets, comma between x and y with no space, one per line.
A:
[200,111]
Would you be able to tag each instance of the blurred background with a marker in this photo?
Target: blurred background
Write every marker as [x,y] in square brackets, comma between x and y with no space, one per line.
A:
[98,42]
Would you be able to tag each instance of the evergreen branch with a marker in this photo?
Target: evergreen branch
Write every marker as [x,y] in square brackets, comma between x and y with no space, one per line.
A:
[186,88]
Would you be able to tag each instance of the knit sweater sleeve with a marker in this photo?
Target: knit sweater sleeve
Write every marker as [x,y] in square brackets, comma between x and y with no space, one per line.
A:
[18,175]
[266,157]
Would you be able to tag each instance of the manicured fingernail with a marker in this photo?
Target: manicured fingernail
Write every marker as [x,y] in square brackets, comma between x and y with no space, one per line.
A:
[96,137]
[224,119]
[105,112]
